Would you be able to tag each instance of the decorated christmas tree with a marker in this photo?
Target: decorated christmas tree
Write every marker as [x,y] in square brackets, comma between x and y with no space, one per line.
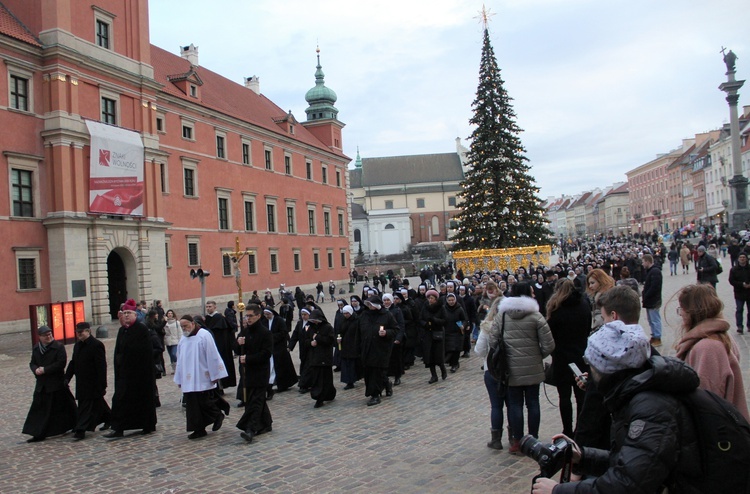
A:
[499,208]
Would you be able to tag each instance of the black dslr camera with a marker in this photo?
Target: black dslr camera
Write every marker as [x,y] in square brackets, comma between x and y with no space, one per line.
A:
[550,457]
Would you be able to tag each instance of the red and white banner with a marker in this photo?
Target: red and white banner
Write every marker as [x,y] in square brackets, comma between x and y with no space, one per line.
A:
[116,180]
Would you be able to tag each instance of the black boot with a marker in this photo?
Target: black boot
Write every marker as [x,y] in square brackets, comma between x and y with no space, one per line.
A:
[388,388]
[434,378]
[443,372]
[497,440]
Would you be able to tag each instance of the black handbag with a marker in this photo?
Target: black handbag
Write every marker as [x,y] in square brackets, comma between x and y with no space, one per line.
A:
[497,361]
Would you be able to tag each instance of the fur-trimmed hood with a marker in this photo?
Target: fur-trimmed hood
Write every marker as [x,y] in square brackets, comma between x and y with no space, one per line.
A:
[517,307]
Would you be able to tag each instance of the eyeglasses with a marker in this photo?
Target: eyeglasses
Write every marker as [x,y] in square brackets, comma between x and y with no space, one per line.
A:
[679,310]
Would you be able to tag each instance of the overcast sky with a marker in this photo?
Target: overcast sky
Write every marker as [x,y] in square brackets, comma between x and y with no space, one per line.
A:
[599,87]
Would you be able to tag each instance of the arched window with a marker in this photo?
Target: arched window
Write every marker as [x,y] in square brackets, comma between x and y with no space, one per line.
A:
[390,227]
[357,235]
[435,226]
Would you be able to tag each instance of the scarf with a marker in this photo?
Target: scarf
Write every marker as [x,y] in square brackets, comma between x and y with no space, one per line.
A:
[708,328]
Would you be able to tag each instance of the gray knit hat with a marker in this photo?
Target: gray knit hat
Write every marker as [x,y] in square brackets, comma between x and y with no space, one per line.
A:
[617,346]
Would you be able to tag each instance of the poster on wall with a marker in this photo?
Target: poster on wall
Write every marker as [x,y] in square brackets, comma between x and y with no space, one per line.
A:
[116,180]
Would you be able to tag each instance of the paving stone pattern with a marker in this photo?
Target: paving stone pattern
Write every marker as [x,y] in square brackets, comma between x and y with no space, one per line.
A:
[426,438]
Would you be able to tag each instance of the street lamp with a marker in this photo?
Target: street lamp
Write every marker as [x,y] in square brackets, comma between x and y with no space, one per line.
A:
[201,275]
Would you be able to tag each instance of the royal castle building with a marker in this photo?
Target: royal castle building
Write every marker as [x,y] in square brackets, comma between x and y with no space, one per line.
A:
[127,166]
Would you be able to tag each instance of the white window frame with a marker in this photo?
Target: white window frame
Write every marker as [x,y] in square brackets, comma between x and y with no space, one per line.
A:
[330,259]
[190,124]
[193,240]
[190,164]
[17,70]
[222,193]
[309,172]
[271,254]
[297,254]
[111,95]
[246,142]
[311,207]
[28,253]
[161,116]
[26,163]
[316,259]
[165,176]
[271,201]
[101,15]
[293,205]
[168,250]
[324,174]
[224,147]
[327,222]
[288,156]
[268,151]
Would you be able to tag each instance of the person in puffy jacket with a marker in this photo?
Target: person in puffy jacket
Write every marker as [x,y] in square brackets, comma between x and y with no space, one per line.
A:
[654,441]
[528,340]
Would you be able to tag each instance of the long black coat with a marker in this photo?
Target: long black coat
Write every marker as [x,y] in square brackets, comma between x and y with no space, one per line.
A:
[89,365]
[375,350]
[257,351]
[225,340]
[652,288]
[348,331]
[570,325]
[133,405]
[53,409]
[433,318]
[454,337]
[737,276]
[321,354]
[286,375]
[710,268]
[411,322]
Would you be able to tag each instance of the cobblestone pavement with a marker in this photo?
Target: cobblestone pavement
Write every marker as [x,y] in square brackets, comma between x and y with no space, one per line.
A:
[426,438]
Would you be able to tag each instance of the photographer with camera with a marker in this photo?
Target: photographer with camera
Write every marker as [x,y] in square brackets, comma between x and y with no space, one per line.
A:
[654,441]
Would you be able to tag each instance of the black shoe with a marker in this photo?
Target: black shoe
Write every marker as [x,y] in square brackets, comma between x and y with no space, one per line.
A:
[113,435]
[147,431]
[319,403]
[740,331]
[432,380]
[247,436]
[349,386]
[375,400]
[453,369]
[304,390]
[217,424]
[35,439]
[240,404]
[264,430]
[269,394]
[198,434]
[220,391]
[397,381]
[443,373]
[104,427]
[79,436]
[388,388]
[465,355]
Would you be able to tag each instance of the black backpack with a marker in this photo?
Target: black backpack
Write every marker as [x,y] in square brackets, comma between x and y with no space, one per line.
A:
[724,443]
[497,361]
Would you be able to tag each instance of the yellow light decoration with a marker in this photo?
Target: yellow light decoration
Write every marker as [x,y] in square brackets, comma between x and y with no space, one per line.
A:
[511,259]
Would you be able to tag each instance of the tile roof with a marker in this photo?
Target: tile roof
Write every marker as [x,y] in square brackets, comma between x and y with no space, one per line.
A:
[355,178]
[11,26]
[623,189]
[358,211]
[227,97]
[412,169]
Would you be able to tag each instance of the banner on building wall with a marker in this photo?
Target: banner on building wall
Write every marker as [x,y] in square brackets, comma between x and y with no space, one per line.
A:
[116,179]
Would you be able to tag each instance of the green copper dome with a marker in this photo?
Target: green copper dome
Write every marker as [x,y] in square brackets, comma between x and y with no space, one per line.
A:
[320,98]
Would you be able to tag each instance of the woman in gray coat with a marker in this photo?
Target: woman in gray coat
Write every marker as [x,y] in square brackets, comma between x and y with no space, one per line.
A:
[528,340]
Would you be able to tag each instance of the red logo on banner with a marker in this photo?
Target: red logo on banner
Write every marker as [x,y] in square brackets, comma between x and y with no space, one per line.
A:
[103,157]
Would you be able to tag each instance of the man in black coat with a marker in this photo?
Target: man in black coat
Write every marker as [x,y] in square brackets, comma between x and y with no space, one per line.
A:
[255,356]
[89,366]
[134,401]
[377,329]
[707,267]
[224,338]
[739,278]
[652,297]
[53,409]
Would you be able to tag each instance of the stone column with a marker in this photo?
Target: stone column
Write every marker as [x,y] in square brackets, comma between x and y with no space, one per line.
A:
[739,213]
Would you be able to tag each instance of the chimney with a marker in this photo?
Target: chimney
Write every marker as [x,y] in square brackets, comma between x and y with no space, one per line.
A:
[253,83]
[190,53]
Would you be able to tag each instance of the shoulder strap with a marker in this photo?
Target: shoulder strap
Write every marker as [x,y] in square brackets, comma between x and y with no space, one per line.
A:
[502,329]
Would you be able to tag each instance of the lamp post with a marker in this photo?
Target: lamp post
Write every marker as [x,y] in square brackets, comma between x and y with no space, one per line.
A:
[738,182]
[201,275]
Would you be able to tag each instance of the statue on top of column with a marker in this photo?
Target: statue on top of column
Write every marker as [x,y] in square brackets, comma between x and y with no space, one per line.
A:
[729,59]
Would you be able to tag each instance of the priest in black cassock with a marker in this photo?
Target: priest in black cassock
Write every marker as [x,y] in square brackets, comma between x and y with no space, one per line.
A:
[89,366]
[255,357]
[224,337]
[134,401]
[53,409]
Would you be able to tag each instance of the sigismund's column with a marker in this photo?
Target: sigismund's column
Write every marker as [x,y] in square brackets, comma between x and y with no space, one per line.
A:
[738,183]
